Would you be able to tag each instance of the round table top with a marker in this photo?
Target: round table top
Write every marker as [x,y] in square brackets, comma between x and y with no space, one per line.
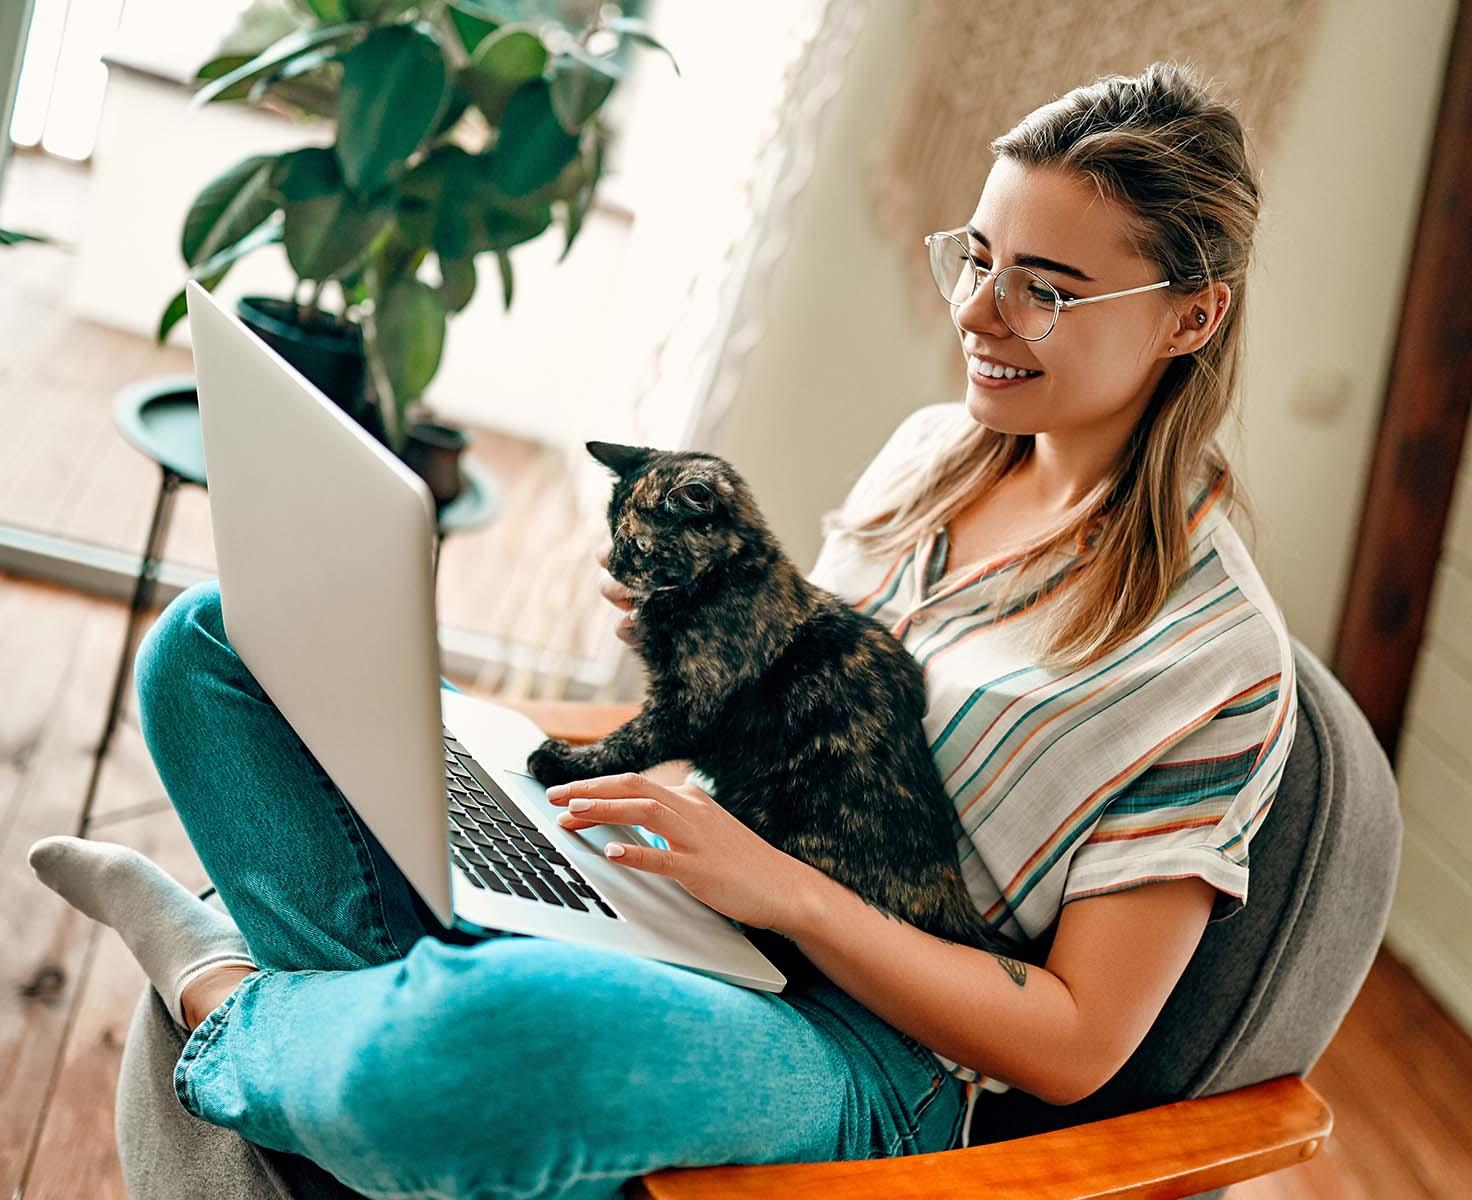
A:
[160,417]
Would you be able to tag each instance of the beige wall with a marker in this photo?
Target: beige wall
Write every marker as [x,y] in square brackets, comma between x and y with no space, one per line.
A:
[845,354]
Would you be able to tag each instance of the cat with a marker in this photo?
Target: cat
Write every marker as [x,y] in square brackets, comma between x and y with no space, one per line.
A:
[804,713]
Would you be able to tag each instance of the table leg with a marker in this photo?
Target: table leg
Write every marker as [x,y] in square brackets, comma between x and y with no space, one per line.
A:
[142,596]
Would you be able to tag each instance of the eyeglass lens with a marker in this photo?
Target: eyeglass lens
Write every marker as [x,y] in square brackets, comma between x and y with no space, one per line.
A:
[1028,304]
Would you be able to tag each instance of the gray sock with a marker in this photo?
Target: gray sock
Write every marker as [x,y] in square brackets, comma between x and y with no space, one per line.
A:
[174,936]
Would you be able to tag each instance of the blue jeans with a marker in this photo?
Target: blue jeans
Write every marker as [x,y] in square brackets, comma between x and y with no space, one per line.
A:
[409,1062]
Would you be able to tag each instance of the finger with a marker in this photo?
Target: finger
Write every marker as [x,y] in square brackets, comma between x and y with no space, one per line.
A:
[623,785]
[614,590]
[640,810]
[641,858]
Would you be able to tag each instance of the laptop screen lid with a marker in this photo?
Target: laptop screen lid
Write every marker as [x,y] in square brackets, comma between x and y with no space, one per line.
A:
[324,543]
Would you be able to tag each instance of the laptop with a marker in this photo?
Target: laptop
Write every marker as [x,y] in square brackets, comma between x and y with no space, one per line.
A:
[325,547]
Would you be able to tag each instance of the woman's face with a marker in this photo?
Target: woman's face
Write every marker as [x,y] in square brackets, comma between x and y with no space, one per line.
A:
[1100,363]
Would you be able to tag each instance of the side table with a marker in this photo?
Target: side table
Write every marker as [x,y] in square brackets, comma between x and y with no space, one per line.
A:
[160,416]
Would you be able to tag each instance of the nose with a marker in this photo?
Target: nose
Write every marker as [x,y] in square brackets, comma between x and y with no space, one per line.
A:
[979,314]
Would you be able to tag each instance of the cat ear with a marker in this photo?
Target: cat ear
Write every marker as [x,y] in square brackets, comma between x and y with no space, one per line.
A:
[692,498]
[619,458]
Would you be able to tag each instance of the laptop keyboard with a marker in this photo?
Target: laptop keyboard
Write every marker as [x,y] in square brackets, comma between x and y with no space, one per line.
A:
[497,845]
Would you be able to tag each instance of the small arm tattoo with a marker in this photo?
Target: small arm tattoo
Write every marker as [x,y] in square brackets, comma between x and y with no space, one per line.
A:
[1016,971]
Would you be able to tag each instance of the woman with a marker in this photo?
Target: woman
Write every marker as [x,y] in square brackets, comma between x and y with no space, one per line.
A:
[1112,701]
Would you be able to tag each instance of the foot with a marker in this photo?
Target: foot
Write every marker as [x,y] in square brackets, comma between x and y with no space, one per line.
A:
[177,938]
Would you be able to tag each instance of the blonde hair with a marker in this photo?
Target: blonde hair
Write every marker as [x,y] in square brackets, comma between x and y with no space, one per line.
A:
[1175,159]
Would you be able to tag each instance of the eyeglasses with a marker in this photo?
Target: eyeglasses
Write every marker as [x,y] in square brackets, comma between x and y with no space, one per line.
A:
[1028,304]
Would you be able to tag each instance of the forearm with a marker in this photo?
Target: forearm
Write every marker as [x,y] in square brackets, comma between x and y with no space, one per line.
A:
[1006,1019]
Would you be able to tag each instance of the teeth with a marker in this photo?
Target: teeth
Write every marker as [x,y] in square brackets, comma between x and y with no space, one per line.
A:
[995,372]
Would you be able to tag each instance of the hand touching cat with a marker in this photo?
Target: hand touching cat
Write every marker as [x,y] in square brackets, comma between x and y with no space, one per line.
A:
[620,597]
[712,855]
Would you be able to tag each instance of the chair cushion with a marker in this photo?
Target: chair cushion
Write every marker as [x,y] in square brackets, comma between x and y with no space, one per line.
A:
[1267,989]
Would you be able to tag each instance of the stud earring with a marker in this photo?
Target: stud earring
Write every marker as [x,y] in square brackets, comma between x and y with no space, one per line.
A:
[1172,349]
[1201,318]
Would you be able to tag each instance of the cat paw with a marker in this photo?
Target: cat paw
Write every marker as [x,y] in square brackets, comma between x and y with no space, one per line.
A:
[554,762]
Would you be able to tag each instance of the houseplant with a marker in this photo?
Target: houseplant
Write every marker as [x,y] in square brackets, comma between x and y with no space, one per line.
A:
[463,128]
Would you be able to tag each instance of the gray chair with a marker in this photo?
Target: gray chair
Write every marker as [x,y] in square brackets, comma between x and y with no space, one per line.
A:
[1261,999]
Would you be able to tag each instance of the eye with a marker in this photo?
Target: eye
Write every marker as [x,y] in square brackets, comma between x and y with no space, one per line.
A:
[690,499]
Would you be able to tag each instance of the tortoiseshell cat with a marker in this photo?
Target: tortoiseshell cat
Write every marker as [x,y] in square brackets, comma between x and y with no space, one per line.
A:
[805,713]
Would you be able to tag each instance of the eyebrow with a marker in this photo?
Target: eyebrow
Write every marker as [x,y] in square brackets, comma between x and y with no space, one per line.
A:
[1037,260]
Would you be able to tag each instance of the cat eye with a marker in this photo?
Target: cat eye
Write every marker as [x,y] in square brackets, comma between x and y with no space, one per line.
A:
[688,498]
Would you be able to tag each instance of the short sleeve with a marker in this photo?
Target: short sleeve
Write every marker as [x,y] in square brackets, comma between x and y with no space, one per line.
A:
[1193,809]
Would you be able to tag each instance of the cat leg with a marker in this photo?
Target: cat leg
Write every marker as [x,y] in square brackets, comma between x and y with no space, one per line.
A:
[643,741]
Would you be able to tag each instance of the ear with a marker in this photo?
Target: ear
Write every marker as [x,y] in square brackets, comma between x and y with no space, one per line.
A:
[620,459]
[692,498]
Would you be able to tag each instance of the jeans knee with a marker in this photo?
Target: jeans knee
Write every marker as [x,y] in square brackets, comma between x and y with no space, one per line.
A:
[169,647]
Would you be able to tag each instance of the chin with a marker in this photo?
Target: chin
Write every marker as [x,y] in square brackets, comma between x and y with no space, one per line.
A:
[994,410]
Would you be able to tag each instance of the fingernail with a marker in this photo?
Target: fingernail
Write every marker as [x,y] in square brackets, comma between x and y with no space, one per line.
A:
[581,804]
[556,791]
[614,850]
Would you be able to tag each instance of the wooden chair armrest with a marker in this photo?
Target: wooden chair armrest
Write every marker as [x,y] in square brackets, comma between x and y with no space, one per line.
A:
[1174,1150]
[576,721]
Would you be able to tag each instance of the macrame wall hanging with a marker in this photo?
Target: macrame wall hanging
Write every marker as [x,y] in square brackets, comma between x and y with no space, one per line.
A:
[982,65]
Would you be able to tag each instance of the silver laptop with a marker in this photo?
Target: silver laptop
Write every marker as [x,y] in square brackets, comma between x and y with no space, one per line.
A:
[325,542]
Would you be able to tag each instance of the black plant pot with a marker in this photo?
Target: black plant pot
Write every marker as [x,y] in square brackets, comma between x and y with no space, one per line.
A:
[327,349]
[432,452]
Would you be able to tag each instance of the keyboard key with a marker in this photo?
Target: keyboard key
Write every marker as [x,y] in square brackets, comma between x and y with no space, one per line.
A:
[606,910]
[459,839]
[553,857]
[502,799]
[479,838]
[569,897]
[537,837]
[545,892]
[487,878]
[452,744]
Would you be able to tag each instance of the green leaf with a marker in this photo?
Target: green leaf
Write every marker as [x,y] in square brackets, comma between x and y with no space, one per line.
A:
[210,272]
[472,30]
[328,229]
[410,324]
[222,65]
[533,147]
[498,12]
[637,31]
[580,83]
[377,10]
[234,84]
[503,263]
[435,206]
[13,237]
[457,284]
[228,208]
[576,207]
[394,87]
[325,10]
[499,65]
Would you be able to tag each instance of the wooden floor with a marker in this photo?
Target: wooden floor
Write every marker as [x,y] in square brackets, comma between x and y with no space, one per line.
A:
[1398,1076]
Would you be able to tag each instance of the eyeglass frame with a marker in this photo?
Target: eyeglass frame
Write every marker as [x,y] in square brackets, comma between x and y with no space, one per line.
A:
[1059,303]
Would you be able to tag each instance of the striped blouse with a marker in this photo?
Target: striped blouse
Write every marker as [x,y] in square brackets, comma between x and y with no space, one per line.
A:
[1158,761]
